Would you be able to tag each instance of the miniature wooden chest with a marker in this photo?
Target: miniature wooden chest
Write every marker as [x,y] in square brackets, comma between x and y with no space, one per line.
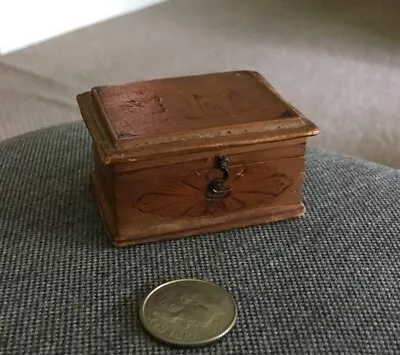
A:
[190,155]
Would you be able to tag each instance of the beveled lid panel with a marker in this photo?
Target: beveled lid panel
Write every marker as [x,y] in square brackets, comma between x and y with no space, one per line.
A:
[188,104]
[184,115]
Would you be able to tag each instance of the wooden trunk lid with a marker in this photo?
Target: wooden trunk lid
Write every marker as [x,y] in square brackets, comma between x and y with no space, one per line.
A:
[174,116]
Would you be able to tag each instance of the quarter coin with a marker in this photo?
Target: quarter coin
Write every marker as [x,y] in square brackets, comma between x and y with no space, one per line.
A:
[188,312]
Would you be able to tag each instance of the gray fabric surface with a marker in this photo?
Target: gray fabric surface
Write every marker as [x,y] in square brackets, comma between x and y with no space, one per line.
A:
[338,61]
[325,283]
[29,101]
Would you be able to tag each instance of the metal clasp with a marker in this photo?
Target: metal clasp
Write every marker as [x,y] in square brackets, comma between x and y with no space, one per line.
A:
[216,186]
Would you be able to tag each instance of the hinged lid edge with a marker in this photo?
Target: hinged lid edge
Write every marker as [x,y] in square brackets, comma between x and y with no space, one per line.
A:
[260,132]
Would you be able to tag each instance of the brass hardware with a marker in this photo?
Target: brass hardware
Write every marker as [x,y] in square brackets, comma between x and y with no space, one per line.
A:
[216,186]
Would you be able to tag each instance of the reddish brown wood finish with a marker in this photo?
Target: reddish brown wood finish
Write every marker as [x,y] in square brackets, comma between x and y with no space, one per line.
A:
[183,104]
[155,145]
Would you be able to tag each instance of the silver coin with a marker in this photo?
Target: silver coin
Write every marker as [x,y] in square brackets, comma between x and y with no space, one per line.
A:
[188,312]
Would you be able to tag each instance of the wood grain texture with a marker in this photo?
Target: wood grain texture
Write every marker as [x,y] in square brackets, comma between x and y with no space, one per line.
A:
[175,199]
[157,145]
[259,116]
[188,103]
[178,198]
[124,237]
[248,186]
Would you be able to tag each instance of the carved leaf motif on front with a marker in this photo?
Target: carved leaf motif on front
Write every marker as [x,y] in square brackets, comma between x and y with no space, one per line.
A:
[189,197]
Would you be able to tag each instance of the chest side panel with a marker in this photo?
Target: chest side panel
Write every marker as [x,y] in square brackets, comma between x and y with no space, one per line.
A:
[102,179]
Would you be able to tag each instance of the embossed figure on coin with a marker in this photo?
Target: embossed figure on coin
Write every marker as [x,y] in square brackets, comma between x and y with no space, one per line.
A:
[188,312]
[187,309]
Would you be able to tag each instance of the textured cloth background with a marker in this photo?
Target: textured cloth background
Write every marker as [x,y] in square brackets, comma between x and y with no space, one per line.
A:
[324,283]
[338,61]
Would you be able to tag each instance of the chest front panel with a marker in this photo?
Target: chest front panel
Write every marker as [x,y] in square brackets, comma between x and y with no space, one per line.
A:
[203,191]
